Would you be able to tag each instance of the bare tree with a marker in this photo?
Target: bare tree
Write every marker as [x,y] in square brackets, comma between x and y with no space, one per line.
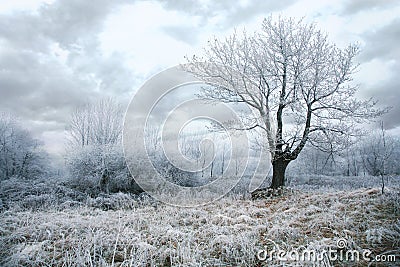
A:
[21,155]
[95,149]
[96,124]
[352,158]
[377,154]
[295,80]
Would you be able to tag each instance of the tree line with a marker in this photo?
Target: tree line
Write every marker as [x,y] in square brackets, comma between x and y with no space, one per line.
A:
[95,162]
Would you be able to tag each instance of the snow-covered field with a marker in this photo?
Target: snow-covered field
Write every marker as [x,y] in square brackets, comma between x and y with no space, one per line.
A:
[229,232]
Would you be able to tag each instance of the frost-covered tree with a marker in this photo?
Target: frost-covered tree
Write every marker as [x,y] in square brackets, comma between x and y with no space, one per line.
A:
[97,123]
[100,168]
[296,81]
[379,154]
[21,155]
[94,155]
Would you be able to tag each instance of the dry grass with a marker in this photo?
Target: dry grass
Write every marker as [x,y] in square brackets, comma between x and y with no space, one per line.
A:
[227,233]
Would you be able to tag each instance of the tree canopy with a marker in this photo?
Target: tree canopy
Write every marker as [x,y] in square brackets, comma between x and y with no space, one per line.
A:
[298,83]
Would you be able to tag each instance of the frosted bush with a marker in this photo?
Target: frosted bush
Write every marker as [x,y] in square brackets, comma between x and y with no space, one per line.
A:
[38,194]
[116,201]
[100,168]
[324,183]
[388,236]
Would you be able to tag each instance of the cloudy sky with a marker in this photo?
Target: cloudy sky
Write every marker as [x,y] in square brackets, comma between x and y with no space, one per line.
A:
[57,54]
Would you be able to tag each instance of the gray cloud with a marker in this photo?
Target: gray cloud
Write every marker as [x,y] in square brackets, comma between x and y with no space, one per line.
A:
[237,14]
[39,90]
[23,31]
[72,22]
[33,78]
[382,43]
[388,95]
[355,6]
[233,14]
[230,15]
[185,34]
[42,88]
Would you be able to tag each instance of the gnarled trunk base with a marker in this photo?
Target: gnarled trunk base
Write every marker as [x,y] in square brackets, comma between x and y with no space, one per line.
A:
[278,180]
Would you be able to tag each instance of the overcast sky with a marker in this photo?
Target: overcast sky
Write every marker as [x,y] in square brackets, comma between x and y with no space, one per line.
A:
[57,54]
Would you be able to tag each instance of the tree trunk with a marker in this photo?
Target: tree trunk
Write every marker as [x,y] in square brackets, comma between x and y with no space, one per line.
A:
[278,177]
[104,181]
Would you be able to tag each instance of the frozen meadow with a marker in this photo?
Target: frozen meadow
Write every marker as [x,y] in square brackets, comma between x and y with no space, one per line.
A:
[120,230]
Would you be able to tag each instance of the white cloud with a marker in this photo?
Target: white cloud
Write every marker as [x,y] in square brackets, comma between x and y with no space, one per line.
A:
[374,72]
[370,20]
[138,32]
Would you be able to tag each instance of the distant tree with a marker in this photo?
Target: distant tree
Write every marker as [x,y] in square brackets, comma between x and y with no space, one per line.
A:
[94,155]
[97,123]
[21,155]
[315,161]
[378,154]
[353,160]
[295,80]
[100,168]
